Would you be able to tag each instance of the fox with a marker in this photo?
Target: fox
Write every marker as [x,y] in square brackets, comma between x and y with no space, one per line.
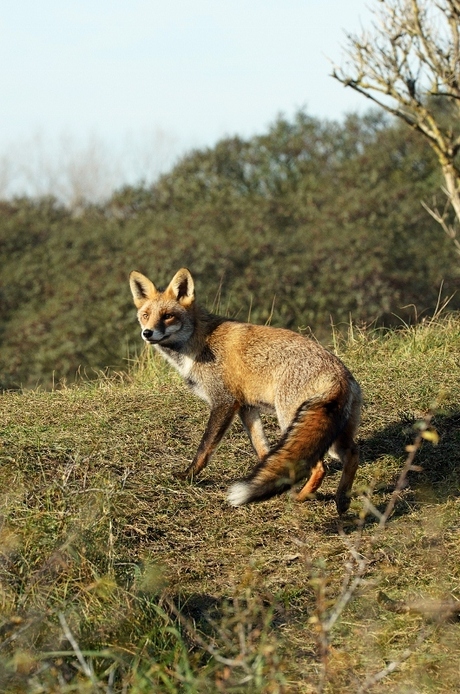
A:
[245,369]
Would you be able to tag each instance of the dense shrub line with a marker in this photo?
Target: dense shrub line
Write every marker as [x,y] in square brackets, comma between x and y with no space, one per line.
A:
[307,223]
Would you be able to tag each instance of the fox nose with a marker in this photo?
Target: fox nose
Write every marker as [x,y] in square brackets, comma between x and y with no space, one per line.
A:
[147,333]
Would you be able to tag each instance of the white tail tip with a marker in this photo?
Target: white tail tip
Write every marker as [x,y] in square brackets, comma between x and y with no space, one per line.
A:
[238,494]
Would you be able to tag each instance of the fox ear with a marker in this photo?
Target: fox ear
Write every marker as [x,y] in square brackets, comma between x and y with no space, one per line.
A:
[141,288]
[182,287]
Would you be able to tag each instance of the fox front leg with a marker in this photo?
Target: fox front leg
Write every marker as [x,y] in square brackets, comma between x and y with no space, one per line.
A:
[219,420]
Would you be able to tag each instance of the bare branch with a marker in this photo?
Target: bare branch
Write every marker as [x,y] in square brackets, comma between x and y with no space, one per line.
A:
[449,229]
[410,56]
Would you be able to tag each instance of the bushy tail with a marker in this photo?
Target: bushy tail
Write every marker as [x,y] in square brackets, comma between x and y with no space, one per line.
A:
[316,425]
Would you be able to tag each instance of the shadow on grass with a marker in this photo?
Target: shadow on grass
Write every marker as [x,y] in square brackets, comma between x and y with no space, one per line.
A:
[439,463]
[215,615]
[436,482]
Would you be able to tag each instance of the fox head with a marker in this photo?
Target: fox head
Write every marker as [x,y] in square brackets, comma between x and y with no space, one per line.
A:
[166,317]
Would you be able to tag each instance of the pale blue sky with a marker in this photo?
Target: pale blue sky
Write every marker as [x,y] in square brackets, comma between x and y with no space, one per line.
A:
[195,69]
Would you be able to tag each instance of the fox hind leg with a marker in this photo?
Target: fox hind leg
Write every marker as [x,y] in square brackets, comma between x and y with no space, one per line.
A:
[313,483]
[347,451]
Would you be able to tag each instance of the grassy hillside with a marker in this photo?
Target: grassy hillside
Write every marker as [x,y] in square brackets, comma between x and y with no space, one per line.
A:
[118,577]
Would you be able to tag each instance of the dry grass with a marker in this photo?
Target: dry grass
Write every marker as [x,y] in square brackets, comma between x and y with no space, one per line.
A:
[118,577]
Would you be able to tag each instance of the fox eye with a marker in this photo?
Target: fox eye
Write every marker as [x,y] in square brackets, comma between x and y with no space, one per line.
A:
[167,316]
[144,316]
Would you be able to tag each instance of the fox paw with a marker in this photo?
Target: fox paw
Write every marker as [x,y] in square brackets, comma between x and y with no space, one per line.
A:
[186,474]
[342,501]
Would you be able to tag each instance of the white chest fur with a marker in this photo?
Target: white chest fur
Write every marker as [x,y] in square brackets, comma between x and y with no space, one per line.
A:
[181,362]
[184,365]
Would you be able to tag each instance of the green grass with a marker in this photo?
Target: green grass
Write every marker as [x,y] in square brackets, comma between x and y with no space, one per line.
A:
[115,576]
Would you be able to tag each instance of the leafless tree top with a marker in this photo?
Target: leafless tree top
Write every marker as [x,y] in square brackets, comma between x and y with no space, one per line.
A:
[408,62]
[411,53]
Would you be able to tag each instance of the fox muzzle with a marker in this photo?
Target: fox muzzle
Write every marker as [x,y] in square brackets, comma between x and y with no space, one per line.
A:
[152,336]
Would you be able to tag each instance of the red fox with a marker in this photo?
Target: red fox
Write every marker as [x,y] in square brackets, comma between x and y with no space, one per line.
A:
[244,368]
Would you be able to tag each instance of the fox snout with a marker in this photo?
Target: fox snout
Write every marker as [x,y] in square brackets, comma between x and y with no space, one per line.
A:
[152,336]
